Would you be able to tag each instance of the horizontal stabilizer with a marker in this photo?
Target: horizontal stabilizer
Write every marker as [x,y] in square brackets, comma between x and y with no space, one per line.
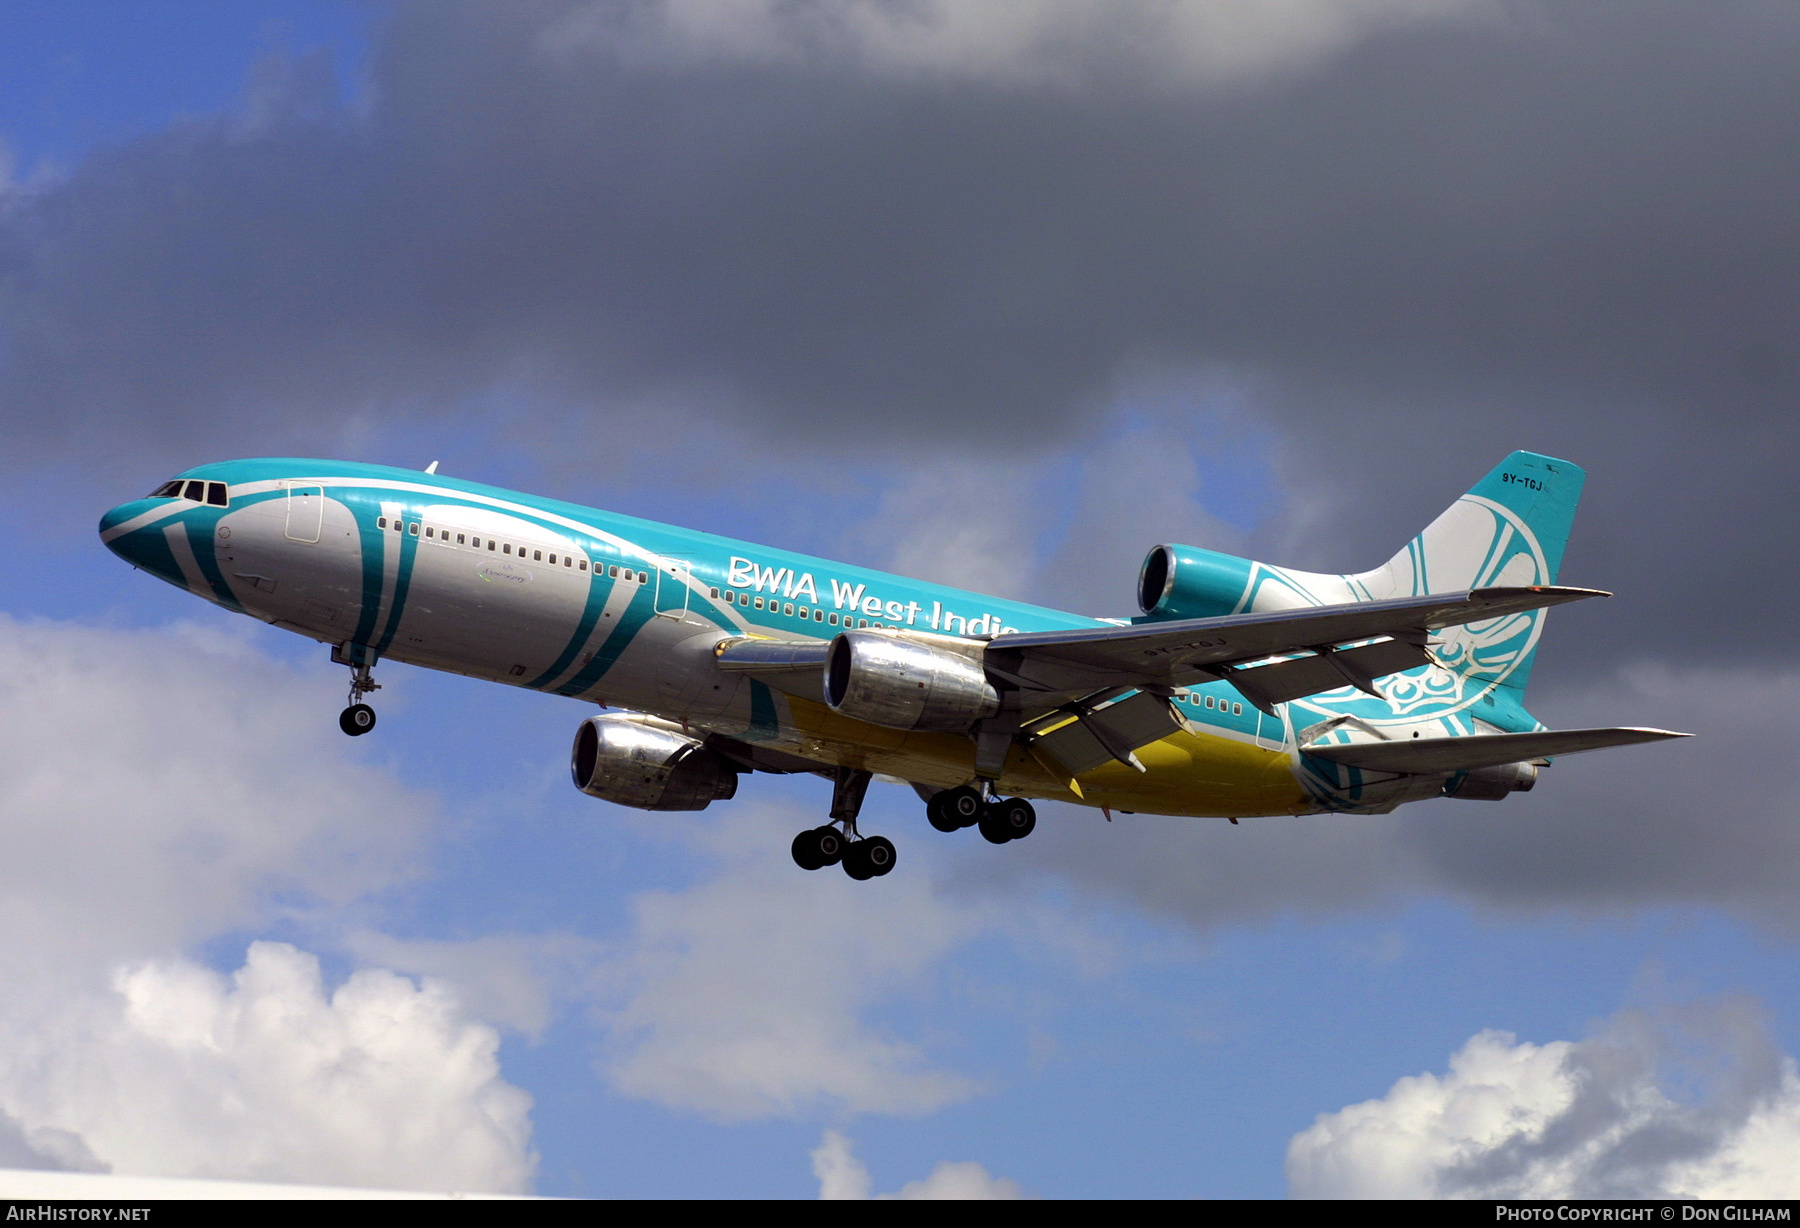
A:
[1434,756]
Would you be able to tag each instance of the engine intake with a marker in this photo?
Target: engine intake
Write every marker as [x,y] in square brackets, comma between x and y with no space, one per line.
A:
[1192,582]
[1493,784]
[905,684]
[636,761]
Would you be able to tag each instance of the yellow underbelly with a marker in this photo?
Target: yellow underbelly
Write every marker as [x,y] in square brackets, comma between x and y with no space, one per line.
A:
[1196,774]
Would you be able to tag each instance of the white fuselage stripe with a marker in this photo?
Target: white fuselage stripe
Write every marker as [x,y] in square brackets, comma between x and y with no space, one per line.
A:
[183,550]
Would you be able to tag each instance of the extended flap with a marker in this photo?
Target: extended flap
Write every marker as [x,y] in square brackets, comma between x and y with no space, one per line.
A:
[1095,736]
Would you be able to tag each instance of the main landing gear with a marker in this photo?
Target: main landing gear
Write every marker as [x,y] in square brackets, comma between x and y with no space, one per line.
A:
[863,857]
[1000,819]
[359,717]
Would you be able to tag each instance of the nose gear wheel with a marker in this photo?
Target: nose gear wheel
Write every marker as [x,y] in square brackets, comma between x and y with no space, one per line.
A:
[357,720]
[359,717]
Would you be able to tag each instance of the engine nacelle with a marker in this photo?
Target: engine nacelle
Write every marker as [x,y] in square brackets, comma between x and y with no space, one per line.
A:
[905,684]
[1192,582]
[1493,784]
[641,762]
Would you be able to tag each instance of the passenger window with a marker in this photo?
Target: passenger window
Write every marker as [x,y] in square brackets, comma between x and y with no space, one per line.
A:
[862,622]
[537,556]
[492,543]
[759,603]
[583,566]
[788,610]
[715,593]
[413,528]
[215,494]
[553,559]
[382,521]
[834,620]
[196,491]
[1237,709]
[643,577]
[1209,701]
[613,572]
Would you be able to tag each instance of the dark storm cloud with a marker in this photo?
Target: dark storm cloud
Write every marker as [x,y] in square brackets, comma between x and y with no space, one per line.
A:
[1573,229]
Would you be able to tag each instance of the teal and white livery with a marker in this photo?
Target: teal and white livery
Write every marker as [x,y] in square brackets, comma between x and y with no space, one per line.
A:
[1242,689]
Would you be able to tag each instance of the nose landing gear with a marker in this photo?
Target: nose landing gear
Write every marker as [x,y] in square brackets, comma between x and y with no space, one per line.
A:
[359,717]
[863,857]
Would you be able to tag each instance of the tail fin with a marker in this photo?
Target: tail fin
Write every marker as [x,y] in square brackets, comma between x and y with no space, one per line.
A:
[1509,530]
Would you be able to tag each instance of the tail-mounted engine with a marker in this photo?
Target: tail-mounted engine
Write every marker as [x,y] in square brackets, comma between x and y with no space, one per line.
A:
[907,684]
[1192,582]
[648,763]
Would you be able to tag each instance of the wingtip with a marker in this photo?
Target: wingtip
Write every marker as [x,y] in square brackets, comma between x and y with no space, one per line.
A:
[1570,592]
[1544,594]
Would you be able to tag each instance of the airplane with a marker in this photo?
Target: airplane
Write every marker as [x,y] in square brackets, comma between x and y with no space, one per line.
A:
[1241,689]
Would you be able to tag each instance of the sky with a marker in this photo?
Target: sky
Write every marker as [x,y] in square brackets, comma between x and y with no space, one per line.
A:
[994,295]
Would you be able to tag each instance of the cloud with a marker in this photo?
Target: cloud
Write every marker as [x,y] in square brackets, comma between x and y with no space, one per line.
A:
[748,995]
[842,1177]
[162,788]
[1031,43]
[1556,226]
[1445,239]
[1588,1119]
[265,1077]
[515,980]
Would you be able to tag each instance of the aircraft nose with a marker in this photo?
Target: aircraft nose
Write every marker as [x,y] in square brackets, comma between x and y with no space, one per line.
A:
[111,524]
[118,516]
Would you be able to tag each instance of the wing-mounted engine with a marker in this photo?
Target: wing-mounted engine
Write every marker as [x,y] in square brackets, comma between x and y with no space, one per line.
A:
[910,683]
[648,763]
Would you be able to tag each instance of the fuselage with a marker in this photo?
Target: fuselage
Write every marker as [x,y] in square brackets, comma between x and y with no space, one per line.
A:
[603,608]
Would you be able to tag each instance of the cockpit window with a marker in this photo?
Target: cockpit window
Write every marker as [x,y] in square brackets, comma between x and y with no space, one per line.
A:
[215,494]
[168,490]
[196,490]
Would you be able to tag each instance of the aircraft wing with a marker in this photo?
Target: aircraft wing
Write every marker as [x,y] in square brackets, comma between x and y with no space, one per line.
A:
[1430,756]
[1321,647]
